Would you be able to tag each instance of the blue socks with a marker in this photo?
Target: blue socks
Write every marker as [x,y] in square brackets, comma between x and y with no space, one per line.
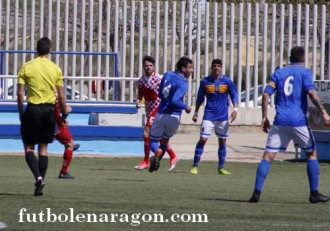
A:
[222,156]
[313,172]
[200,149]
[154,145]
[198,153]
[262,172]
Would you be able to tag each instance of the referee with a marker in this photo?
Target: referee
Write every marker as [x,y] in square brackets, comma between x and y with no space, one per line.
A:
[41,77]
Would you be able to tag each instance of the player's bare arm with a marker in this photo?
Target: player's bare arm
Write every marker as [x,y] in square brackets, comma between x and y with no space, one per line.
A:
[138,103]
[138,99]
[233,115]
[61,100]
[20,99]
[68,109]
[265,122]
[188,110]
[314,97]
[195,116]
[65,122]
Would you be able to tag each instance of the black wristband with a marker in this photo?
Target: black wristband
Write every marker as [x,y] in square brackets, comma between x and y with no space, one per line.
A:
[64,116]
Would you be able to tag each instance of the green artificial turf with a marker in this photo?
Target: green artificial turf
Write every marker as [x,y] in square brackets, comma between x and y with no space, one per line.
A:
[112,186]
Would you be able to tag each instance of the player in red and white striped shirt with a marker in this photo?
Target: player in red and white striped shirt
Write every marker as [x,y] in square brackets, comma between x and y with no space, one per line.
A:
[148,86]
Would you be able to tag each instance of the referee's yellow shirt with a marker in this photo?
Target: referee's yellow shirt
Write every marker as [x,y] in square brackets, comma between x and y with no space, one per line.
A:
[41,77]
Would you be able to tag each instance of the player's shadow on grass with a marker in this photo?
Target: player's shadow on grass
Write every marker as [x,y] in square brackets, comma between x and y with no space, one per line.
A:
[305,160]
[221,199]
[112,169]
[127,180]
[13,194]
[247,201]
[175,171]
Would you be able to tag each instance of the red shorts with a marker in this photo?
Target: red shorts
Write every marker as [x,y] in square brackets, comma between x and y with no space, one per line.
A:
[64,136]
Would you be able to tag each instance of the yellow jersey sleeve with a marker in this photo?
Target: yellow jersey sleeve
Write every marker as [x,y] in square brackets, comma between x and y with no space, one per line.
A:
[21,75]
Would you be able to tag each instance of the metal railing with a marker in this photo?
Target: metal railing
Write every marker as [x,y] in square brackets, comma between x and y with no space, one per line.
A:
[251,39]
[93,88]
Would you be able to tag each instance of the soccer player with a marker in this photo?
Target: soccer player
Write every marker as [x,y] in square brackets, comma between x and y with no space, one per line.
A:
[64,136]
[41,77]
[292,85]
[172,90]
[216,88]
[148,86]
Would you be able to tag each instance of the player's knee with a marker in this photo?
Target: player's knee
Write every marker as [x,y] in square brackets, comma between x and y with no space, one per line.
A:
[311,155]
[222,141]
[70,144]
[164,141]
[269,156]
[202,141]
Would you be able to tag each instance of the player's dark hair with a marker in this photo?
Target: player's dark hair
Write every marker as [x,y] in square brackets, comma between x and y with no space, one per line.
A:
[43,46]
[148,58]
[297,54]
[183,62]
[217,61]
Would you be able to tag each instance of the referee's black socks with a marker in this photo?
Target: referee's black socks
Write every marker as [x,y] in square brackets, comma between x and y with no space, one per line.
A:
[32,162]
[43,165]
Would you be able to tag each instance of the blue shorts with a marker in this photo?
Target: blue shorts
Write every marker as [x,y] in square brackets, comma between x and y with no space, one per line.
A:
[164,126]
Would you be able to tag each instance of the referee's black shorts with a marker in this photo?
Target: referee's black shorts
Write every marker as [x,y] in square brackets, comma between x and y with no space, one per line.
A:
[38,124]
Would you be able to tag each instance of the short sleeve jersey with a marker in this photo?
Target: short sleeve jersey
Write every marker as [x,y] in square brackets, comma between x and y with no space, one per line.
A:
[148,88]
[216,92]
[41,77]
[291,84]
